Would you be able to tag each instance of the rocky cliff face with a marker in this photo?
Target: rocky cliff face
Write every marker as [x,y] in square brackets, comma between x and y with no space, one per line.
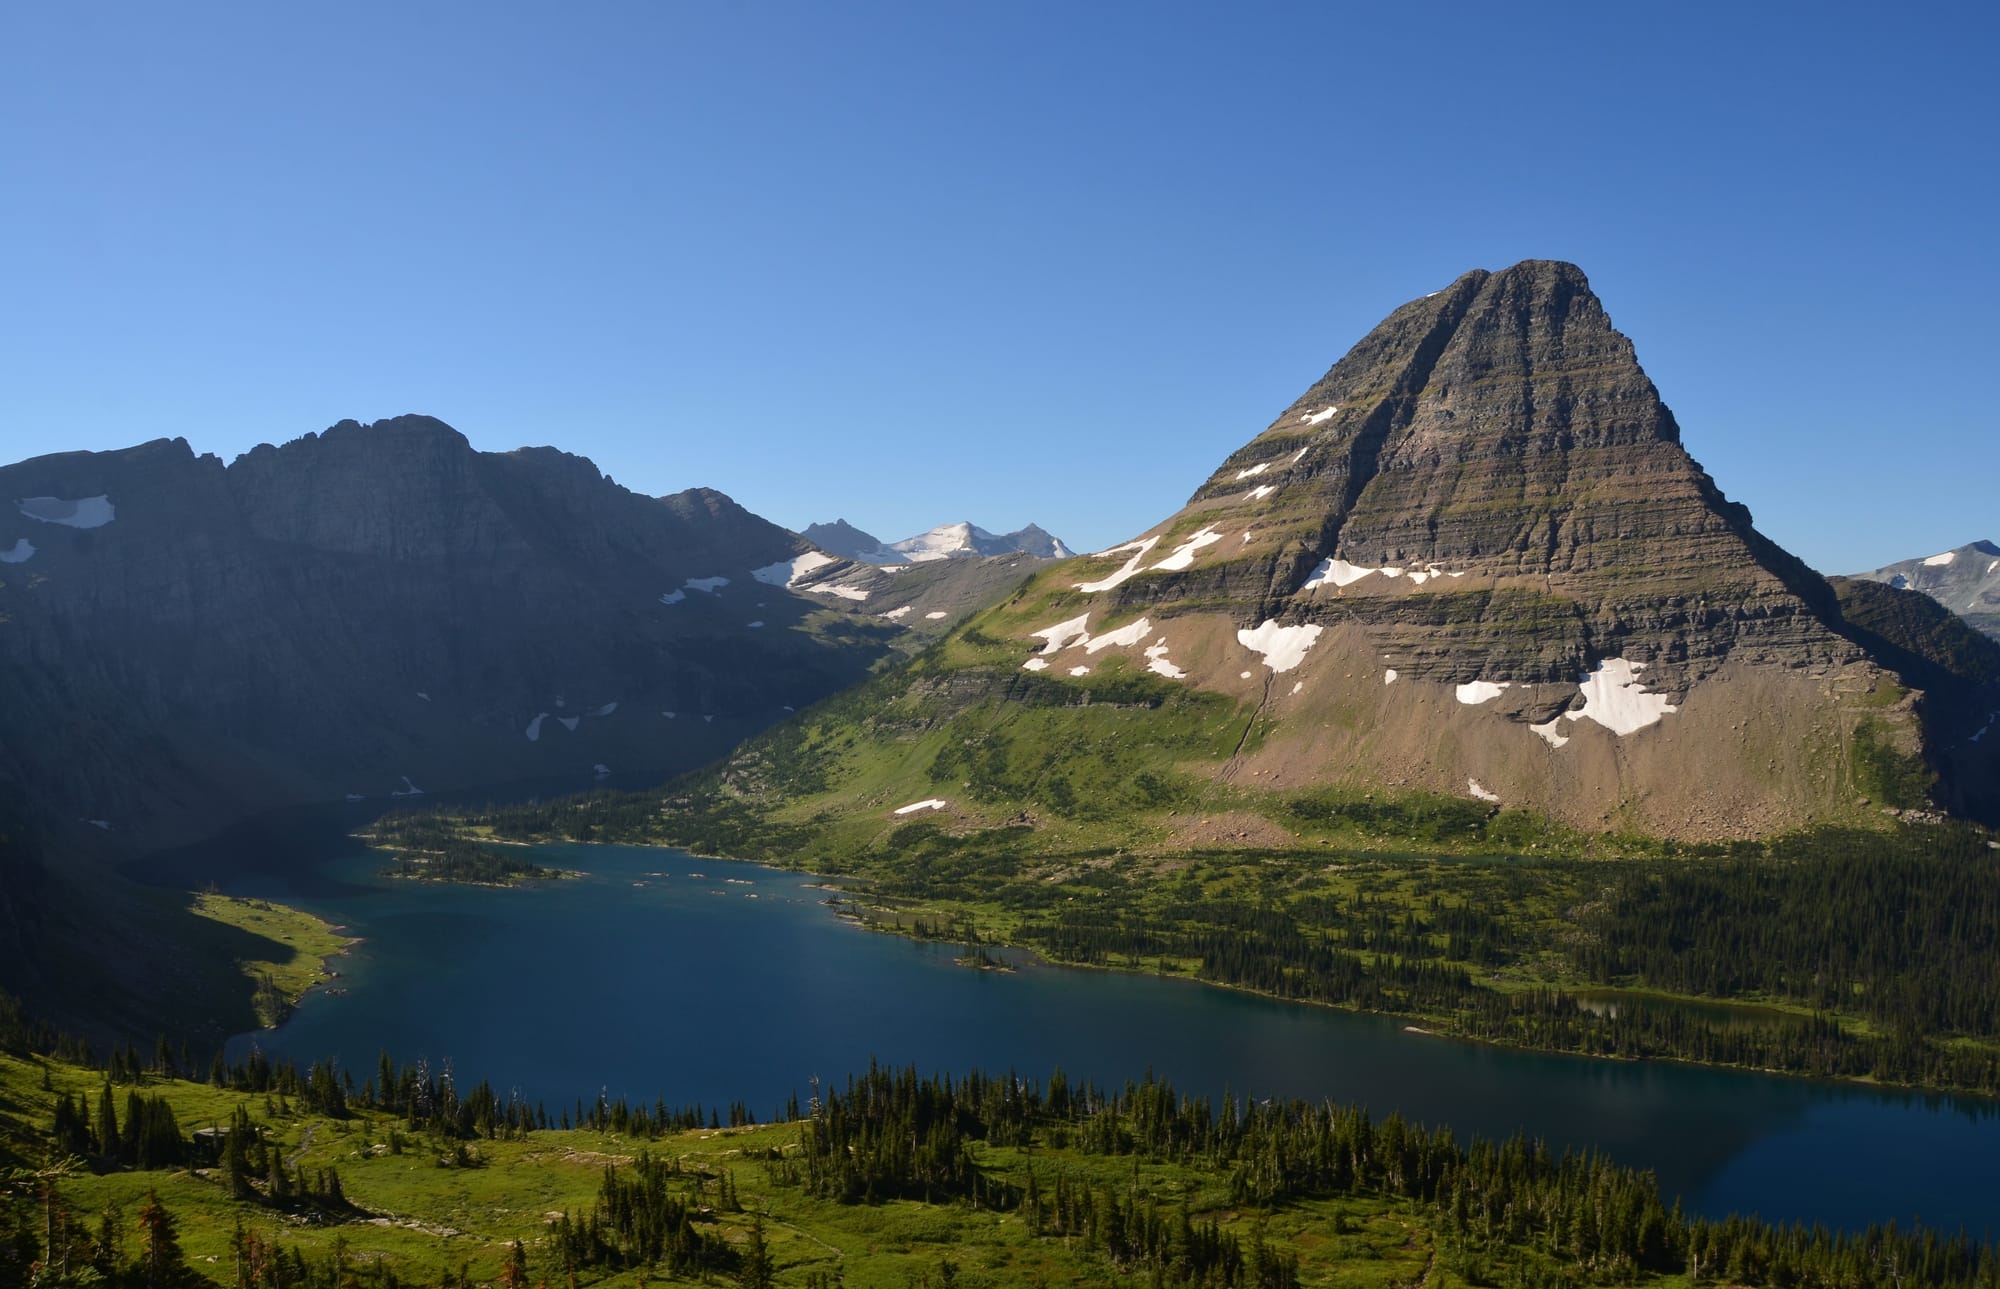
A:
[1474,558]
[1966,581]
[379,609]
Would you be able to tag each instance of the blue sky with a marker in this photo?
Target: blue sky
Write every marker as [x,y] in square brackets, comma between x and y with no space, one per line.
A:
[912,263]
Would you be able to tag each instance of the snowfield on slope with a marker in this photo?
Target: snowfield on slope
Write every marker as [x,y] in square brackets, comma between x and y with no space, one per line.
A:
[82,512]
[1615,698]
[1282,647]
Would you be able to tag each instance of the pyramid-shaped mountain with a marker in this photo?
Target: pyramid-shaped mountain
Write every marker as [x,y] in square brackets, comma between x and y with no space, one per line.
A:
[1491,482]
[1474,559]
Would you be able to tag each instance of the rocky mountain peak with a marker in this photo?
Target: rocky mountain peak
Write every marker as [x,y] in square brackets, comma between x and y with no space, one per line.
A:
[962,540]
[1491,479]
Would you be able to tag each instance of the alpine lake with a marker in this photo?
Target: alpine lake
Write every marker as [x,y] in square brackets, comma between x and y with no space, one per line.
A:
[659,975]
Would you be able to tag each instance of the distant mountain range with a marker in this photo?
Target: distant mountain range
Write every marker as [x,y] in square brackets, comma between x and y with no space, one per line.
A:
[948,541]
[1471,561]
[1966,581]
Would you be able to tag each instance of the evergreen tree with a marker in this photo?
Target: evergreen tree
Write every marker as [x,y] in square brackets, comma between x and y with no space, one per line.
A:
[756,1273]
[160,1261]
[107,1125]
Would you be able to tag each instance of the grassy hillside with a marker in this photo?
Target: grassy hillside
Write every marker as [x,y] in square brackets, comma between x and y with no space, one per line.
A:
[280,1179]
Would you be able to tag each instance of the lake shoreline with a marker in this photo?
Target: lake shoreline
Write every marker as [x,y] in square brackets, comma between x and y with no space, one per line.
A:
[828,882]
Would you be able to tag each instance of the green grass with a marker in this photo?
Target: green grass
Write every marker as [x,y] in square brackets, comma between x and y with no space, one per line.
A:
[425,1218]
[299,947]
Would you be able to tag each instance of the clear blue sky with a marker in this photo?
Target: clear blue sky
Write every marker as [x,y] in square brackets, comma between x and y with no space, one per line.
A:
[919,262]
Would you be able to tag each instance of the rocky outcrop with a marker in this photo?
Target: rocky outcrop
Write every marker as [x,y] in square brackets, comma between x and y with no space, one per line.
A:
[375,609]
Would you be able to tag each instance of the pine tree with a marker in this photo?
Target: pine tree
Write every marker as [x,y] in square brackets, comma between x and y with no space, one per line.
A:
[756,1272]
[160,1261]
[107,1124]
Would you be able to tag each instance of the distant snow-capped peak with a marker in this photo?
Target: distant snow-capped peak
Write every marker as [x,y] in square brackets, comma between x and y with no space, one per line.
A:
[963,540]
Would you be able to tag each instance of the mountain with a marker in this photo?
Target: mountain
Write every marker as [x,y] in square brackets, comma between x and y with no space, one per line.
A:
[845,540]
[377,610]
[1472,560]
[1966,581]
[948,541]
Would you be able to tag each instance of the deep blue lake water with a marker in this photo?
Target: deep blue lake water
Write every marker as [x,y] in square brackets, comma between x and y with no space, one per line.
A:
[646,980]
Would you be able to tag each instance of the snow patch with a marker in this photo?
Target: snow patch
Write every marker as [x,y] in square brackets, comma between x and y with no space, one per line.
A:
[673,597]
[844,592]
[1283,647]
[1939,561]
[1064,634]
[355,796]
[1551,732]
[709,717]
[758,623]
[938,615]
[1253,471]
[1321,416]
[1339,573]
[893,614]
[1183,554]
[670,715]
[19,553]
[1156,655]
[408,789]
[1297,685]
[1260,492]
[1614,697]
[82,512]
[1473,693]
[1245,675]
[534,730]
[1982,729]
[1139,550]
[421,694]
[709,584]
[1079,671]
[569,722]
[1472,786]
[606,710]
[1389,676]
[104,825]
[1035,664]
[787,571]
[935,803]
[1129,634]
[1427,572]
[1300,454]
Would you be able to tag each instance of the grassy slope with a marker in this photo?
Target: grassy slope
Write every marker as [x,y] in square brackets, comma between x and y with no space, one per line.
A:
[1093,801]
[428,1219]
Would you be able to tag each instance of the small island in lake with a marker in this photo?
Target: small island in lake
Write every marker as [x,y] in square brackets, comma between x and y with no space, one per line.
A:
[425,851]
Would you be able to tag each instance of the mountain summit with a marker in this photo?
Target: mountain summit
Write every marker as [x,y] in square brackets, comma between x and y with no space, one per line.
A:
[962,540]
[1474,559]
